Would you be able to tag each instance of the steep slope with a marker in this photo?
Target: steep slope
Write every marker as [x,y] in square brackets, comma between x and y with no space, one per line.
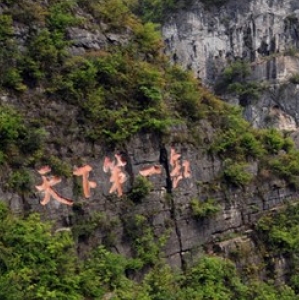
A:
[100,134]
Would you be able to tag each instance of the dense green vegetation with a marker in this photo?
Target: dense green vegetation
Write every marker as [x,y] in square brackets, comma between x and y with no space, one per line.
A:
[157,11]
[121,89]
[21,146]
[279,230]
[237,143]
[278,235]
[39,263]
[235,79]
[116,91]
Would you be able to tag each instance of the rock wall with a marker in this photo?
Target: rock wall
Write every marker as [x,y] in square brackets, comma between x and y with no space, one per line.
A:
[265,33]
[166,209]
[204,38]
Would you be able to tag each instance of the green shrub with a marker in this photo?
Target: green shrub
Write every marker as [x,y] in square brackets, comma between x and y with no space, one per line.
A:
[129,99]
[294,79]
[20,181]
[245,90]
[235,174]
[41,265]
[234,79]
[32,140]
[60,15]
[286,167]
[146,245]
[273,141]
[236,72]
[279,232]
[149,85]
[235,137]
[104,273]
[213,278]
[21,145]
[115,13]
[148,38]
[141,188]
[42,57]
[9,56]
[28,12]
[157,11]
[6,29]
[58,166]
[204,209]
[161,283]
[251,145]
[13,80]
[240,145]
[185,94]
[11,125]
[46,48]
[76,81]
[262,290]
[106,268]
[85,226]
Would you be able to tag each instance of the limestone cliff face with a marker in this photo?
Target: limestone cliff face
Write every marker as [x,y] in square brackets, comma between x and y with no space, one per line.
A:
[263,32]
[167,210]
[204,40]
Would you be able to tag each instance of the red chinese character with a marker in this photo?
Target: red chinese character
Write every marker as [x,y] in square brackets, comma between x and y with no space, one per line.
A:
[176,173]
[152,170]
[87,185]
[118,177]
[46,188]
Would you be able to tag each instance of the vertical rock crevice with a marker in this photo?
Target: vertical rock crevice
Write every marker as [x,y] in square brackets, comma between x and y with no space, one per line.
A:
[164,162]
[173,212]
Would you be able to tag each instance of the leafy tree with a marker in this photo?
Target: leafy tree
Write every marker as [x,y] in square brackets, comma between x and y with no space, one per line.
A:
[37,264]
[162,283]
[213,278]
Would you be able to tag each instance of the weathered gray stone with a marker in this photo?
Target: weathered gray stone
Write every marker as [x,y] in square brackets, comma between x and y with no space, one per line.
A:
[261,32]
[82,38]
[204,39]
